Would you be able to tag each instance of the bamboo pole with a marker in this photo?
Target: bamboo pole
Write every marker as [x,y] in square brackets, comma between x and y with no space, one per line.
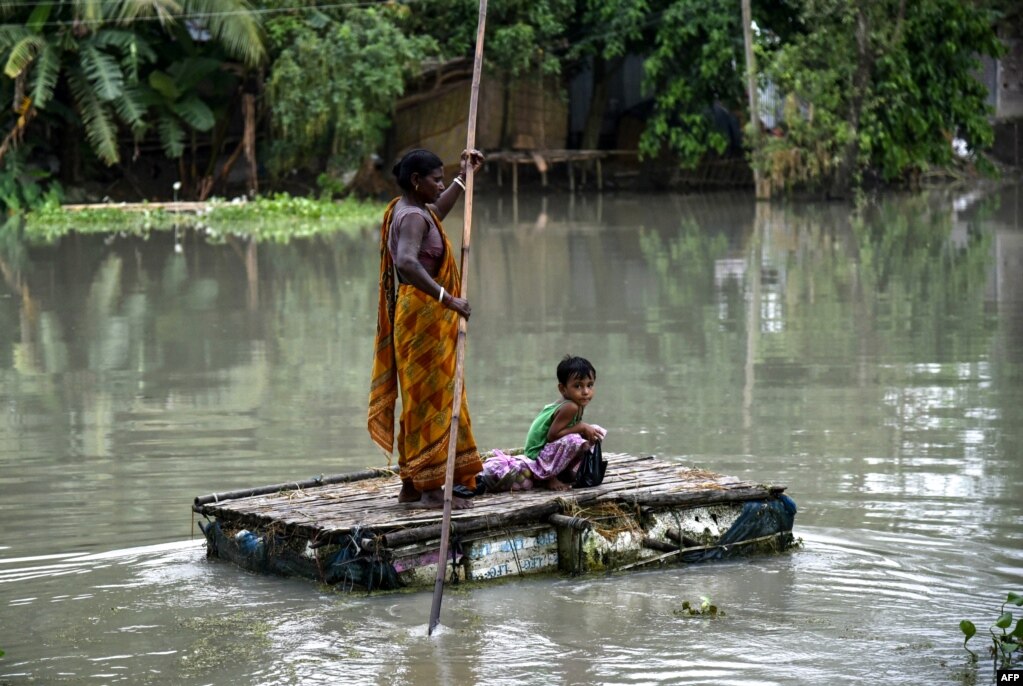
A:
[202,500]
[715,497]
[449,475]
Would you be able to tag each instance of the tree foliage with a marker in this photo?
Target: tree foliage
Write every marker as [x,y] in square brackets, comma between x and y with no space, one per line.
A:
[611,28]
[522,35]
[334,81]
[693,51]
[696,61]
[878,87]
[95,64]
[871,87]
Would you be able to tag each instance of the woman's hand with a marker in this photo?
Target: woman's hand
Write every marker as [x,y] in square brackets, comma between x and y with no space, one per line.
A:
[471,157]
[459,305]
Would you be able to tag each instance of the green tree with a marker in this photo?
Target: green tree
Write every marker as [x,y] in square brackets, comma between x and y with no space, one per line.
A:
[879,87]
[523,36]
[351,66]
[90,63]
[696,61]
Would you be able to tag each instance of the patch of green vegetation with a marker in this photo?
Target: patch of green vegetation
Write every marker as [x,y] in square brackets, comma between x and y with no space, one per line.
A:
[1005,644]
[276,219]
[24,186]
[705,609]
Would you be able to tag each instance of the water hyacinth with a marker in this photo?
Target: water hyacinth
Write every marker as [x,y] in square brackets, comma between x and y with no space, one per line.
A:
[1005,644]
[277,218]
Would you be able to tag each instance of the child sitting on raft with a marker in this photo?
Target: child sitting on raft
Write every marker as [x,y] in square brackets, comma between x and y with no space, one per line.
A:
[557,439]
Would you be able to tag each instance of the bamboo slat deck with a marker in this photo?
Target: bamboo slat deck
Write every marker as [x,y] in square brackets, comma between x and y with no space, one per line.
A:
[329,512]
[349,529]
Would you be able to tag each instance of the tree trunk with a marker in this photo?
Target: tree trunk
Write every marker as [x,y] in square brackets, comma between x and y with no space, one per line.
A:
[249,139]
[761,190]
[13,137]
[844,177]
[70,155]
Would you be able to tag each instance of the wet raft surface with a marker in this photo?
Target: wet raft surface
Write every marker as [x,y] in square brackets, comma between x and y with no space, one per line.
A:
[333,512]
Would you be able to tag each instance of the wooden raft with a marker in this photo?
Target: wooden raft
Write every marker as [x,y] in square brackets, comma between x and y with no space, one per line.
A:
[367,502]
[349,530]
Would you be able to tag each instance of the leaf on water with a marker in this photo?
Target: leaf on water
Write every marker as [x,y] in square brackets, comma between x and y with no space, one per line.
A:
[1004,621]
[968,628]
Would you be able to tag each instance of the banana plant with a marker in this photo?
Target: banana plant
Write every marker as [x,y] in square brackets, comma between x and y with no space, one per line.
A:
[92,62]
[173,103]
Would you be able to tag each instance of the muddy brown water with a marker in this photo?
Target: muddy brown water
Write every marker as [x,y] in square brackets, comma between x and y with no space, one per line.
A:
[873,363]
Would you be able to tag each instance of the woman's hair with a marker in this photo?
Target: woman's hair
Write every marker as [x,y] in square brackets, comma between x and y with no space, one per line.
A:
[418,161]
[571,366]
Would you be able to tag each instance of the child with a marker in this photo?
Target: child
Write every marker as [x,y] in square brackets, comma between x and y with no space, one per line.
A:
[558,438]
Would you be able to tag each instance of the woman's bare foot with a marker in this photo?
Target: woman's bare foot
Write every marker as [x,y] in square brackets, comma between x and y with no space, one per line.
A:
[556,484]
[408,494]
[434,500]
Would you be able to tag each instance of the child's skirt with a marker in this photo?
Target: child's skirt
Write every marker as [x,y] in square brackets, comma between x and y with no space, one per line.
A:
[518,473]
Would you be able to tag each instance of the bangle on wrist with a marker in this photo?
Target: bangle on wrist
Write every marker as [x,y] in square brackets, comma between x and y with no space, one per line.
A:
[440,297]
[458,180]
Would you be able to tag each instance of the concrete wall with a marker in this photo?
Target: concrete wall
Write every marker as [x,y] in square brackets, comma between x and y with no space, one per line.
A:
[1008,145]
[1009,81]
[1004,81]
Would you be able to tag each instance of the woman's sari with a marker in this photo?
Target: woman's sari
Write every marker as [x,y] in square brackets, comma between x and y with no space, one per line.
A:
[415,352]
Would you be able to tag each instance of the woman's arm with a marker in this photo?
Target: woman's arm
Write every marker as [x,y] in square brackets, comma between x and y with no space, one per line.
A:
[560,424]
[447,199]
[411,229]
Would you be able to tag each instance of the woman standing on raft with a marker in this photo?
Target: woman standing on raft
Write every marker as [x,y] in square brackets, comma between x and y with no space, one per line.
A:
[417,328]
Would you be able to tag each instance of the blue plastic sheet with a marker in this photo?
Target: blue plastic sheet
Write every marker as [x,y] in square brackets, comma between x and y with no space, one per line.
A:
[758,518]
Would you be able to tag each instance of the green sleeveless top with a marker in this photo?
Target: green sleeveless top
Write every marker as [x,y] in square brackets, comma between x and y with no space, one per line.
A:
[536,438]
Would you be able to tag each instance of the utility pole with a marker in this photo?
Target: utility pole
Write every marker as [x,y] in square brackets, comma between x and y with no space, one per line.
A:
[762,190]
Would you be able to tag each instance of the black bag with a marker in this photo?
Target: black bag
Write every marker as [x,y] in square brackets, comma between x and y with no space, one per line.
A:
[591,470]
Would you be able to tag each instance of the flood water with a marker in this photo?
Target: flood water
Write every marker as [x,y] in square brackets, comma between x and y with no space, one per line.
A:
[872,363]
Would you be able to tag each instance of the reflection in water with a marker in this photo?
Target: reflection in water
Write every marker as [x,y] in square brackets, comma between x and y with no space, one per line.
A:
[870,361]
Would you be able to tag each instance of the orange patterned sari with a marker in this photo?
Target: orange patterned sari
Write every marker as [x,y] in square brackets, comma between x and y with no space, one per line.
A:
[415,351]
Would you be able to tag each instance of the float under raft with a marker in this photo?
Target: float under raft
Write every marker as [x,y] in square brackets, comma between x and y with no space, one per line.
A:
[349,530]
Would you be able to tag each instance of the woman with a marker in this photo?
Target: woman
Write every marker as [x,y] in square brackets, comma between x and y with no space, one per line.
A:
[417,330]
